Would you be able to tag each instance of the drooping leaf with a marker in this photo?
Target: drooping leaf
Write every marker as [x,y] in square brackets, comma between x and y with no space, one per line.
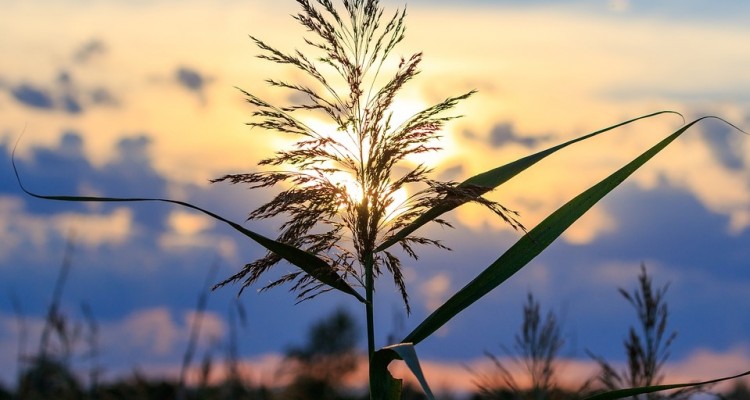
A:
[497,176]
[311,264]
[382,384]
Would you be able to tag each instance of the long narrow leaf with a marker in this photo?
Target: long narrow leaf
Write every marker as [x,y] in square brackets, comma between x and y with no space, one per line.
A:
[531,244]
[622,393]
[497,176]
[518,256]
[306,261]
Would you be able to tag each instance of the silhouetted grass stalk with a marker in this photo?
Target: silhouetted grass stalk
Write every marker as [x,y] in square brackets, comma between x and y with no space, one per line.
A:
[195,328]
[55,321]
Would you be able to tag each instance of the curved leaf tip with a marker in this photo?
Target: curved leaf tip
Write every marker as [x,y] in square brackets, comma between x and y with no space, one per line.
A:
[382,384]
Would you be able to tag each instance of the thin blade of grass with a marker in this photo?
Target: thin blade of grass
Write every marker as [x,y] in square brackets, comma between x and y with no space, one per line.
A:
[622,393]
[306,261]
[533,243]
[495,177]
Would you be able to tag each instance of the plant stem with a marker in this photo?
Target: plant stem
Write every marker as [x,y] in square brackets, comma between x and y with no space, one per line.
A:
[369,289]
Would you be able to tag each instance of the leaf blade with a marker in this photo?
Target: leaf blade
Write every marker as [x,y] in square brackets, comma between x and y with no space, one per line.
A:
[308,262]
[622,393]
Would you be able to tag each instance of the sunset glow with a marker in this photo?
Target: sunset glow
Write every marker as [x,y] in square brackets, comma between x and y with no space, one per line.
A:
[140,99]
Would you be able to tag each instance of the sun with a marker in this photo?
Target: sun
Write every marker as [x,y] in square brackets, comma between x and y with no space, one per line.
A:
[397,201]
[401,111]
[350,185]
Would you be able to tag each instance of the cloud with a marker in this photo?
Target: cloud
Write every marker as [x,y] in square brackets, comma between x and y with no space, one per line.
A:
[133,152]
[189,231]
[188,223]
[131,173]
[504,133]
[212,326]
[435,290]
[725,144]
[146,237]
[154,335]
[64,169]
[59,170]
[71,105]
[64,94]
[705,363]
[102,96]
[22,231]
[151,331]
[33,96]
[590,226]
[94,230]
[453,173]
[619,5]
[89,50]
[709,173]
[190,79]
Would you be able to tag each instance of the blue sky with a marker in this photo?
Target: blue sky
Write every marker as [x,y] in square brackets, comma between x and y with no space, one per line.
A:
[139,100]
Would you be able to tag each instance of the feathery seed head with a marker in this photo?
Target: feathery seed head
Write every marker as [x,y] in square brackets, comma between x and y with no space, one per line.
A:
[339,190]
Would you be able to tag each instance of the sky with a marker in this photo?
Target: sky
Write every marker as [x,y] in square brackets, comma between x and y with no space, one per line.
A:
[118,98]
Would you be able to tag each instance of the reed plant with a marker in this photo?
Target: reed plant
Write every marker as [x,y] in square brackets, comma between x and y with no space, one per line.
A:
[535,351]
[340,188]
[49,373]
[647,347]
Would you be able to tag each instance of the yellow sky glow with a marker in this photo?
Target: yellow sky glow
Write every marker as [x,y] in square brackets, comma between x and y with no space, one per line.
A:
[568,75]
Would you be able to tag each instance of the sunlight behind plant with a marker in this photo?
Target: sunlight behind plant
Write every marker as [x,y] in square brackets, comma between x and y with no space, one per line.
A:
[348,181]
[347,142]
